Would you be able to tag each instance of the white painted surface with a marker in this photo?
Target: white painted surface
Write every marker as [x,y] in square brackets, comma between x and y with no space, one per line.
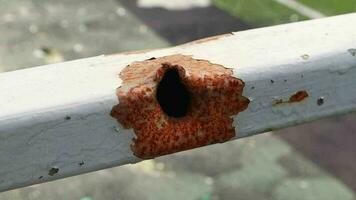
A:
[36,134]
[174,4]
[301,8]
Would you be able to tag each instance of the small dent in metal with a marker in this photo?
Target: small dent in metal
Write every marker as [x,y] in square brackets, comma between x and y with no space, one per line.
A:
[116,129]
[53,171]
[320,101]
[352,52]
[305,56]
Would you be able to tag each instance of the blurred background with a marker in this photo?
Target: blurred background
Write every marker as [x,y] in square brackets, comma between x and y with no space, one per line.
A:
[308,162]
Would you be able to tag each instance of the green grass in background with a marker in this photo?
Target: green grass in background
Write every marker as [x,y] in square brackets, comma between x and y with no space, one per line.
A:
[259,13]
[331,7]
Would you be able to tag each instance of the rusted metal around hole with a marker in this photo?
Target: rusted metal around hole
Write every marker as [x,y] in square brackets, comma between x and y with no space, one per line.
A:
[175,103]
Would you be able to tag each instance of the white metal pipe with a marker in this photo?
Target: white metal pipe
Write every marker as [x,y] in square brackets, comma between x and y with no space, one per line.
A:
[55,120]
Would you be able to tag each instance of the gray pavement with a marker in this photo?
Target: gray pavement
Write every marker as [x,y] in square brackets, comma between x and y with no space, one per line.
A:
[37,32]
[261,167]
[180,26]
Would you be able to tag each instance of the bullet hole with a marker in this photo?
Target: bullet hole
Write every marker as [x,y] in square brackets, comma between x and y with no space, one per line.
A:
[67,118]
[253,87]
[272,81]
[172,95]
[320,101]
[53,171]
[302,76]
[209,94]
[285,80]
[81,163]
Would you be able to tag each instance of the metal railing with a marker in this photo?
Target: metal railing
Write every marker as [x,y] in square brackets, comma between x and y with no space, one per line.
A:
[57,120]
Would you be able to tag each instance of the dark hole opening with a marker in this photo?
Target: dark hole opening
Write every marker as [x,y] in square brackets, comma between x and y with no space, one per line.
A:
[53,171]
[172,95]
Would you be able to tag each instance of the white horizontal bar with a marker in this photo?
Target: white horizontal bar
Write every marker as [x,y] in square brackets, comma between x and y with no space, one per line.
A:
[55,120]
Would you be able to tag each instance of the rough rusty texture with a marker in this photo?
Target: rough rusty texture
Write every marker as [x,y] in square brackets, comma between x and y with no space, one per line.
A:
[215,96]
[296,97]
[299,96]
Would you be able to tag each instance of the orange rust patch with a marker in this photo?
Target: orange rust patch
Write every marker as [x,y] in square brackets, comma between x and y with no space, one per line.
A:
[299,96]
[215,96]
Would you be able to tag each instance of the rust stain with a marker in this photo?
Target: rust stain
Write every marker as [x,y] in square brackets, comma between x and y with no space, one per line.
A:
[298,96]
[215,95]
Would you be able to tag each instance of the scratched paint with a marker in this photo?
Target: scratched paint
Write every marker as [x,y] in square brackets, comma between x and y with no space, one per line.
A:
[217,37]
[215,95]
